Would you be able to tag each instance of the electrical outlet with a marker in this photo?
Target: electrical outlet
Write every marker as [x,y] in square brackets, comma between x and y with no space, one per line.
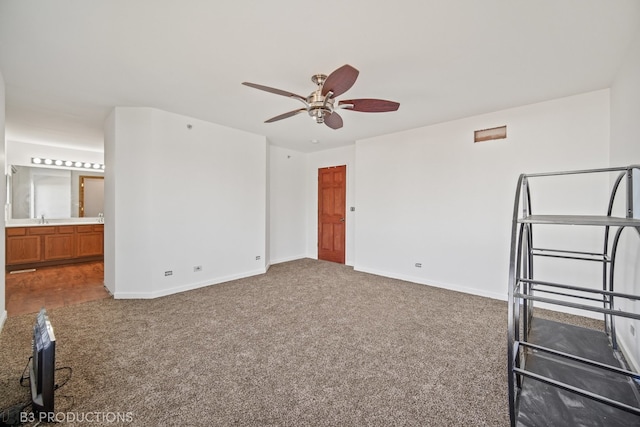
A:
[257,257]
[168,273]
[197,268]
[418,264]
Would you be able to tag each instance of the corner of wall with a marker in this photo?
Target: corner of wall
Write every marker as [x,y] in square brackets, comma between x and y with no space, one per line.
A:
[3,201]
[3,319]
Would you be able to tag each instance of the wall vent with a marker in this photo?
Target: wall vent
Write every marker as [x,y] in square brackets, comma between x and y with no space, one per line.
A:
[489,134]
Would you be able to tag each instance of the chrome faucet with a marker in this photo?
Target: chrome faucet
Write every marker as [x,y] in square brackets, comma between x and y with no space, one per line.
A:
[42,219]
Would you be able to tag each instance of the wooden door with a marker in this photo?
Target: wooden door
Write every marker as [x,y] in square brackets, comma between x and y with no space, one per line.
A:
[60,244]
[331,213]
[21,248]
[91,196]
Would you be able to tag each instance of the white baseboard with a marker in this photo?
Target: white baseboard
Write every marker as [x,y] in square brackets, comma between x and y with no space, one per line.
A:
[287,259]
[422,281]
[474,291]
[628,355]
[186,287]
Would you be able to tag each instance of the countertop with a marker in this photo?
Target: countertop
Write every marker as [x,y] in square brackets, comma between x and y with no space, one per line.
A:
[52,222]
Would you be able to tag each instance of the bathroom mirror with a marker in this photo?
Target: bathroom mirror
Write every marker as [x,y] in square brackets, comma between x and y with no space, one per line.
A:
[55,193]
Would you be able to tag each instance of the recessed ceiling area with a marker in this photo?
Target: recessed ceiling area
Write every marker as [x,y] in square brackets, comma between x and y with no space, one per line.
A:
[66,65]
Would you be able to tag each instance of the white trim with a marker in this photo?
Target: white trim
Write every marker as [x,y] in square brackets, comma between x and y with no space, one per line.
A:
[287,259]
[188,287]
[421,281]
[474,291]
[628,355]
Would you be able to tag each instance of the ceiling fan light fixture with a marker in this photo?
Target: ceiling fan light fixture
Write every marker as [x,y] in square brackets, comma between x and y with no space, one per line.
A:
[318,113]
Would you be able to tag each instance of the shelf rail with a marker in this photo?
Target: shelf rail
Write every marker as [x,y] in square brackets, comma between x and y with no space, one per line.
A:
[524,290]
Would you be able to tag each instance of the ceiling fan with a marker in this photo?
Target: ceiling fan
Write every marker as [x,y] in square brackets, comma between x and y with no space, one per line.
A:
[321,104]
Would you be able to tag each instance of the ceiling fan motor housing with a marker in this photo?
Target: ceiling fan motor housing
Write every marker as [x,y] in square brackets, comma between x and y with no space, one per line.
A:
[319,105]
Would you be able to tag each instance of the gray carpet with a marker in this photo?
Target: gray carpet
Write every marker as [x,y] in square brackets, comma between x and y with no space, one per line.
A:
[310,343]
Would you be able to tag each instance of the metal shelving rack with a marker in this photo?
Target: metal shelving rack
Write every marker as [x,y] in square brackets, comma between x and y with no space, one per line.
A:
[558,373]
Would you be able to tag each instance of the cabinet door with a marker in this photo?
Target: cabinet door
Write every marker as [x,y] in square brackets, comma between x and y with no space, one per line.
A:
[89,244]
[23,249]
[58,246]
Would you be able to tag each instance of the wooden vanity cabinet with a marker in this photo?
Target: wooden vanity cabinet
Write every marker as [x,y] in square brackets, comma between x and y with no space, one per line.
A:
[28,247]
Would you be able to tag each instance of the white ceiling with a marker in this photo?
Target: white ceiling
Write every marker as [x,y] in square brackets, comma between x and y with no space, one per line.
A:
[66,64]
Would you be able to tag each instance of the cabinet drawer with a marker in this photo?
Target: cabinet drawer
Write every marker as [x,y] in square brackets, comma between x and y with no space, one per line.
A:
[16,231]
[66,229]
[84,228]
[36,231]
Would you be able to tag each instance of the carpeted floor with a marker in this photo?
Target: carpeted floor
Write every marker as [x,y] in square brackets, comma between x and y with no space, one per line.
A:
[310,343]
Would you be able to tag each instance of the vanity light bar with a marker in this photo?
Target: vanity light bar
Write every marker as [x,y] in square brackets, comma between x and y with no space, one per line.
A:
[67,163]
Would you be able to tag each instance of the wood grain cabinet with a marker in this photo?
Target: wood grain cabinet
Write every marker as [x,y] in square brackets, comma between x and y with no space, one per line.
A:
[21,247]
[28,247]
[59,244]
[90,240]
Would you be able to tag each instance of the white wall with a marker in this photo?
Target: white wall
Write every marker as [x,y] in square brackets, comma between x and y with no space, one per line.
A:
[3,196]
[322,159]
[432,196]
[625,150]
[625,110]
[287,171]
[128,252]
[201,201]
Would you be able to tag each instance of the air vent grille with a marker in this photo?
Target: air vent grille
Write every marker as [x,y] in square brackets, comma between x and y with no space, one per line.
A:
[489,134]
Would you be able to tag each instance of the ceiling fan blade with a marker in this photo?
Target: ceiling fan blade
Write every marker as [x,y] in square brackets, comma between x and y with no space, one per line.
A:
[367,105]
[333,120]
[276,91]
[285,115]
[340,80]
